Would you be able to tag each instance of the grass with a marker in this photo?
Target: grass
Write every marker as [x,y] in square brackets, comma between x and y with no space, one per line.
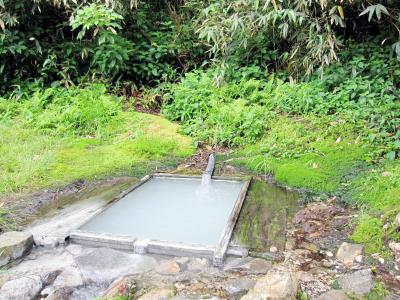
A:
[306,153]
[31,159]
[377,191]
[322,155]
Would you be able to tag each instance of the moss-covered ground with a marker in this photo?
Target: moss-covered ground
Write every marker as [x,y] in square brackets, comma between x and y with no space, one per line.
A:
[326,156]
[31,159]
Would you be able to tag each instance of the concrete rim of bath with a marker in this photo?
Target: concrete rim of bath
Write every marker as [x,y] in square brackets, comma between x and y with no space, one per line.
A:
[142,246]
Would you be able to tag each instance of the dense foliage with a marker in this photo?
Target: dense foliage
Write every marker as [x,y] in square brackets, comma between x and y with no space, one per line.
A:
[68,42]
[363,90]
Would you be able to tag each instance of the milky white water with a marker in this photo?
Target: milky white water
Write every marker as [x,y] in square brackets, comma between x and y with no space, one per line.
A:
[171,209]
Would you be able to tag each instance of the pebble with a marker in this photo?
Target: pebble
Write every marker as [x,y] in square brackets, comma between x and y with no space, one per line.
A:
[359,258]
[329,254]
[273,249]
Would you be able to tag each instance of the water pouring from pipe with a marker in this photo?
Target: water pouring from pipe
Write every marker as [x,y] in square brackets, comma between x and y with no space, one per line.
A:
[206,178]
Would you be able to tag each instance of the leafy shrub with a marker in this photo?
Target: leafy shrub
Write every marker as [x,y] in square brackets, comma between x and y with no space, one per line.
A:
[363,91]
[228,115]
[80,111]
[230,124]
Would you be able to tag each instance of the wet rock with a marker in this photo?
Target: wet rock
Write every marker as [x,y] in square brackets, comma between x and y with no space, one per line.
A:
[48,242]
[248,265]
[347,252]
[197,264]
[60,294]
[163,293]
[69,278]
[290,243]
[319,211]
[13,245]
[277,285]
[182,260]
[329,254]
[273,249]
[103,265]
[309,246]
[334,295]
[359,282]
[239,286]
[168,267]
[311,226]
[124,286]
[395,247]
[397,221]
[21,288]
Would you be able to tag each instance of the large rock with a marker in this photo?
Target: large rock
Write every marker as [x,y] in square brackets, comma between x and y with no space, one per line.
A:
[104,265]
[198,265]
[334,295]
[248,265]
[168,267]
[70,278]
[13,245]
[239,286]
[347,252]
[24,288]
[276,285]
[359,282]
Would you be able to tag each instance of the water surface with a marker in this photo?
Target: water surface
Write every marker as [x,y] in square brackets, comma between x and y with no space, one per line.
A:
[170,209]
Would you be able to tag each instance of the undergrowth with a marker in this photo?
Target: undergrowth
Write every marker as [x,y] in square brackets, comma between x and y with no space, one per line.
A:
[60,136]
[330,134]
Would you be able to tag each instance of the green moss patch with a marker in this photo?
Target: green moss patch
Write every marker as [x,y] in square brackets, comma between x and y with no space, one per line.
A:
[305,153]
[31,159]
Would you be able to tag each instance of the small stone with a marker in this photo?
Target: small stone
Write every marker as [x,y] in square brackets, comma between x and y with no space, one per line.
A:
[60,294]
[13,245]
[329,254]
[46,291]
[248,265]
[168,267]
[290,244]
[334,295]
[348,252]
[386,226]
[182,260]
[327,263]
[359,282]
[47,242]
[397,221]
[381,260]
[302,252]
[395,247]
[163,293]
[273,249]
[197,264]
[21,288]
[375,255]
[277,284]
[359,258]
[386,174]
[124,286]
[309,246]
[236,287]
